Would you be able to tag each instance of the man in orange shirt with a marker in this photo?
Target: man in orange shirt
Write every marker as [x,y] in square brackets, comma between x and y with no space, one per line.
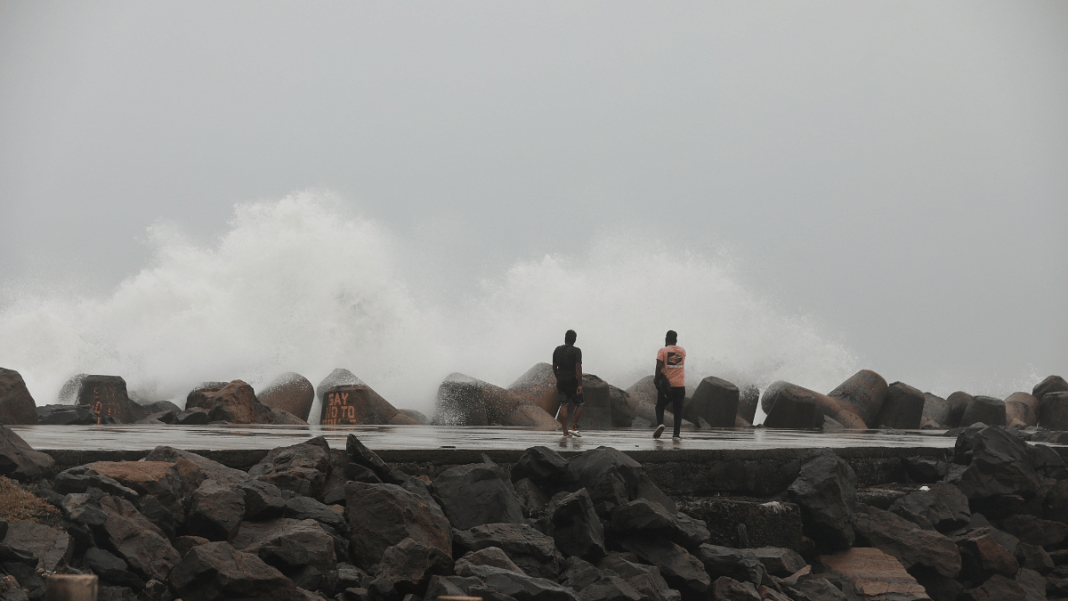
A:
[670,366]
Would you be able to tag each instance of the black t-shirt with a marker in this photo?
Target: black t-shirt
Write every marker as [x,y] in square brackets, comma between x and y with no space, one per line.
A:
[565,358]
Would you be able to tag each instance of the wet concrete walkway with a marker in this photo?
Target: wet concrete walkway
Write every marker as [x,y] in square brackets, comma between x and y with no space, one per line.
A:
[401,438]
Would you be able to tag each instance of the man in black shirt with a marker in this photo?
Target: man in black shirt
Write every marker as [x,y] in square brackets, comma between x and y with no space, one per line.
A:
[567,367]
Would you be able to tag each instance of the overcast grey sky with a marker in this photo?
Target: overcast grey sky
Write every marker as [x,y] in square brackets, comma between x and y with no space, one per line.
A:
[897,171]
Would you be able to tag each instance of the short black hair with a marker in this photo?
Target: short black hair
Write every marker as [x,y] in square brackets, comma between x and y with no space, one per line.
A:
[671,337]
[570,336]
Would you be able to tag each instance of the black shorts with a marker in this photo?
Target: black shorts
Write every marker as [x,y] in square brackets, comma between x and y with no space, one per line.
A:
[570,397]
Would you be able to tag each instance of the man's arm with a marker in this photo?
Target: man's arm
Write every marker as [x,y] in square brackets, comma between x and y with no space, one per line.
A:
[578,374]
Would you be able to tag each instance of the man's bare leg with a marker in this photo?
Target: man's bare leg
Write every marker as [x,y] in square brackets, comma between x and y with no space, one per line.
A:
[578,414]
[563,418]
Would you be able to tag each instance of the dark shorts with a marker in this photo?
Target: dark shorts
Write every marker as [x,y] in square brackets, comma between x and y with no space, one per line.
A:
[570,397]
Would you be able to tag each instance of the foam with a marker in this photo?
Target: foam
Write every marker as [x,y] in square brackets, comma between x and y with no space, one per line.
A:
[300,285]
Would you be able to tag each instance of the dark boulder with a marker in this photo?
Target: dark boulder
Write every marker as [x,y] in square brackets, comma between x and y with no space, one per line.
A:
[574,525]
[1035,531]
[779,561]
[530,549]
[288,544]
[301,468]
[490,556]
[866,392]
[868,573]
[197,468]
[793,407]
[982,557]
[217,571]
[612,479]
[476,494]
[382,515]
[18,460]
[942,506]
[263,500]
[680,569]
[646,579]
[51,547]
[407,567]
[825,489]
[543,466]
[726,588]
[517,585]
[739,564]
[361,455]
[215,511]
[111,569]
[903,408]
[234,402]
[289,392]
[998,465]
[958,403]
[997,588]
[159,479]
[910,544]
[652,519]
[924,470]
[136,540]
[17,407]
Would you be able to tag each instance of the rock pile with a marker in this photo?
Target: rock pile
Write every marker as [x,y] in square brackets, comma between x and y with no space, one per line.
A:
[310,522]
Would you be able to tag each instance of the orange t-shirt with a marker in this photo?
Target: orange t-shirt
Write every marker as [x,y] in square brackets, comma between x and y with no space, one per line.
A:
[674,358]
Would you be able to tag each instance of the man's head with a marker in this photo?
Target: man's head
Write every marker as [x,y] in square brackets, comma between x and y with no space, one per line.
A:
[671,337]
[570,336]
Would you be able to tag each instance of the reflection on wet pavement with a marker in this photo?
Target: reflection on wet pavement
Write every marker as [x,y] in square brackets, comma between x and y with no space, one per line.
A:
[137,437]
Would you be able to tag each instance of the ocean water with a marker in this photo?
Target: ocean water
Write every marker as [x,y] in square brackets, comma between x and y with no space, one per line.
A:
[302,284]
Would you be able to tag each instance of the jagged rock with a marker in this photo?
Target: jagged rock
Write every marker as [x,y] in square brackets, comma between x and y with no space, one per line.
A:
[235,403]
[382,515]
[982,556]
[1053,411]
[681,569]
[532,496]
[868,573]
[531,550]
[924,470]
[816,589]
[217,571]
[289,392]
[111,569]
[997,465]
[306,508]
[1049,384]
[779,561]
[612,479]
[79,479]
[541,465]
[903,408]
[18,460]
[574,525]
[715,401]
[490,556]
[478,493]
[137,540]
[1021,410]
[518,585]
[263,500]
[1033,557]
[1047,462]
[408,566]
[728,589]
[739,564]
[160,479]
[215,511]
[943,506]
[1033,584]
[65,415]
[997,588]
[825,490]
[652,519]
[288,544]
[1035,531]
[208,468]
[361,455]
[984,410]
[646,579]
[17,406]
[866,392]
[1055,505]
[906,541]
[51,547]
[302,468]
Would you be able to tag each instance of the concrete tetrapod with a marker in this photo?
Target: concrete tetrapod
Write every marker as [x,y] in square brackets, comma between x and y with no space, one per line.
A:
[866,391]
[466,401]
[787,403]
